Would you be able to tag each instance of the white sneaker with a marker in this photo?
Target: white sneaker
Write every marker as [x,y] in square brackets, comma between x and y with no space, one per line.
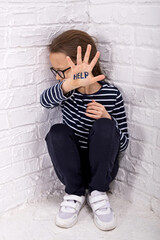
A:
[104,217]
[69,210]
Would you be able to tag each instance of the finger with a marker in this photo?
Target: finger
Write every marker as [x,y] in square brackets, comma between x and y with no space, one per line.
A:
[98,78]
[79,55]
[87,54]
[71,64]
[94,60]
[94,104]
[92,111]
[92,116]
[98,108]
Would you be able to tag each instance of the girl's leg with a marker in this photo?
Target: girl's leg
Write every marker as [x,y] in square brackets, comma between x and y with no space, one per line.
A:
[104,143]
[62,147]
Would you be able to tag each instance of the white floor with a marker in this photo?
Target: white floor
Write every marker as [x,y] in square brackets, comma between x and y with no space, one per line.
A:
[36,222]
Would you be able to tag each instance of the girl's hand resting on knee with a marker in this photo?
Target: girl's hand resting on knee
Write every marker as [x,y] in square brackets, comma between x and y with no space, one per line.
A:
[81,74]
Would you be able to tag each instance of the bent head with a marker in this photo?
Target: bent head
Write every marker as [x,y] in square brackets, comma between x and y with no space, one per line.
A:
[66,44]
[60,63]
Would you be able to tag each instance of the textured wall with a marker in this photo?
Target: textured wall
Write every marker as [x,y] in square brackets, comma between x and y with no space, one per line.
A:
[128,34]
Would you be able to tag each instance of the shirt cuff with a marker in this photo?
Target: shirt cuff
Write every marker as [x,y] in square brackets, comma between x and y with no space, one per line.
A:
[67,95]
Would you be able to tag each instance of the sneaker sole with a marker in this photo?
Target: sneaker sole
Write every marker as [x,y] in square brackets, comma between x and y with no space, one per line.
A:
[105,227]
[68,222]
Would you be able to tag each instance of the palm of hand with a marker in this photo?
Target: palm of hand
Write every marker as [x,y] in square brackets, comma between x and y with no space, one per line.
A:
[81,74]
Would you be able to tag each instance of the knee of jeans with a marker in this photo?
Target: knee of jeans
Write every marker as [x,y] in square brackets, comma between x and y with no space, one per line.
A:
[102,126]
[58,130]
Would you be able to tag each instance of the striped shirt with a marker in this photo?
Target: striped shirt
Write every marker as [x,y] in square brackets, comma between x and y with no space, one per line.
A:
[74,104]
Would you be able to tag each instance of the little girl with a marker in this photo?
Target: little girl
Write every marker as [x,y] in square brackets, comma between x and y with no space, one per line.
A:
[84,148]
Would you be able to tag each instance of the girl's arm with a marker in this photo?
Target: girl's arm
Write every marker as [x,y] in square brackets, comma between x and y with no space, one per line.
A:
[120,120]
[54,95]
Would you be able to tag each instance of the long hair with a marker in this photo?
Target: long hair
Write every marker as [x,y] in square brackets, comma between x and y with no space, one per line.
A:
[67,43]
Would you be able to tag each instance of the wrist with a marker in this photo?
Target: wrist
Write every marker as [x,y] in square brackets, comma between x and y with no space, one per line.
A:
[66,86]
[107,115]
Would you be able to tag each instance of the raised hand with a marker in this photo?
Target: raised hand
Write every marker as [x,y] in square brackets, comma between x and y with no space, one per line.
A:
[81,74]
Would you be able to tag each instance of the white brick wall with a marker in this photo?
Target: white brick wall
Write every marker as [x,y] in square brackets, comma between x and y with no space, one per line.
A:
[128,32]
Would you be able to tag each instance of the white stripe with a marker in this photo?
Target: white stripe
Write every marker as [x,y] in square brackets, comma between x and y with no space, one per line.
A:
[88,125]
[118,108]
[101,94]
[45,99]
[124,143]
[82,141]
[119,102]
[75,128]
[119,113]
[120,118]
[53,97]
[80,135]
[76,120]
[49,97]
[43,103]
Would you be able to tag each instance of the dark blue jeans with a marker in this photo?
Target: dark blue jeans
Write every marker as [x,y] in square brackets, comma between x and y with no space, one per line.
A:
[78,168]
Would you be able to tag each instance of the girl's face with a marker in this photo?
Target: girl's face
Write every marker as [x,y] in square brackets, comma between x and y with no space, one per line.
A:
[59,62]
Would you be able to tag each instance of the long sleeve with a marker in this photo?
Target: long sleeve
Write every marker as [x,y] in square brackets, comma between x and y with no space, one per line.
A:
[54,96]
[119,117]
